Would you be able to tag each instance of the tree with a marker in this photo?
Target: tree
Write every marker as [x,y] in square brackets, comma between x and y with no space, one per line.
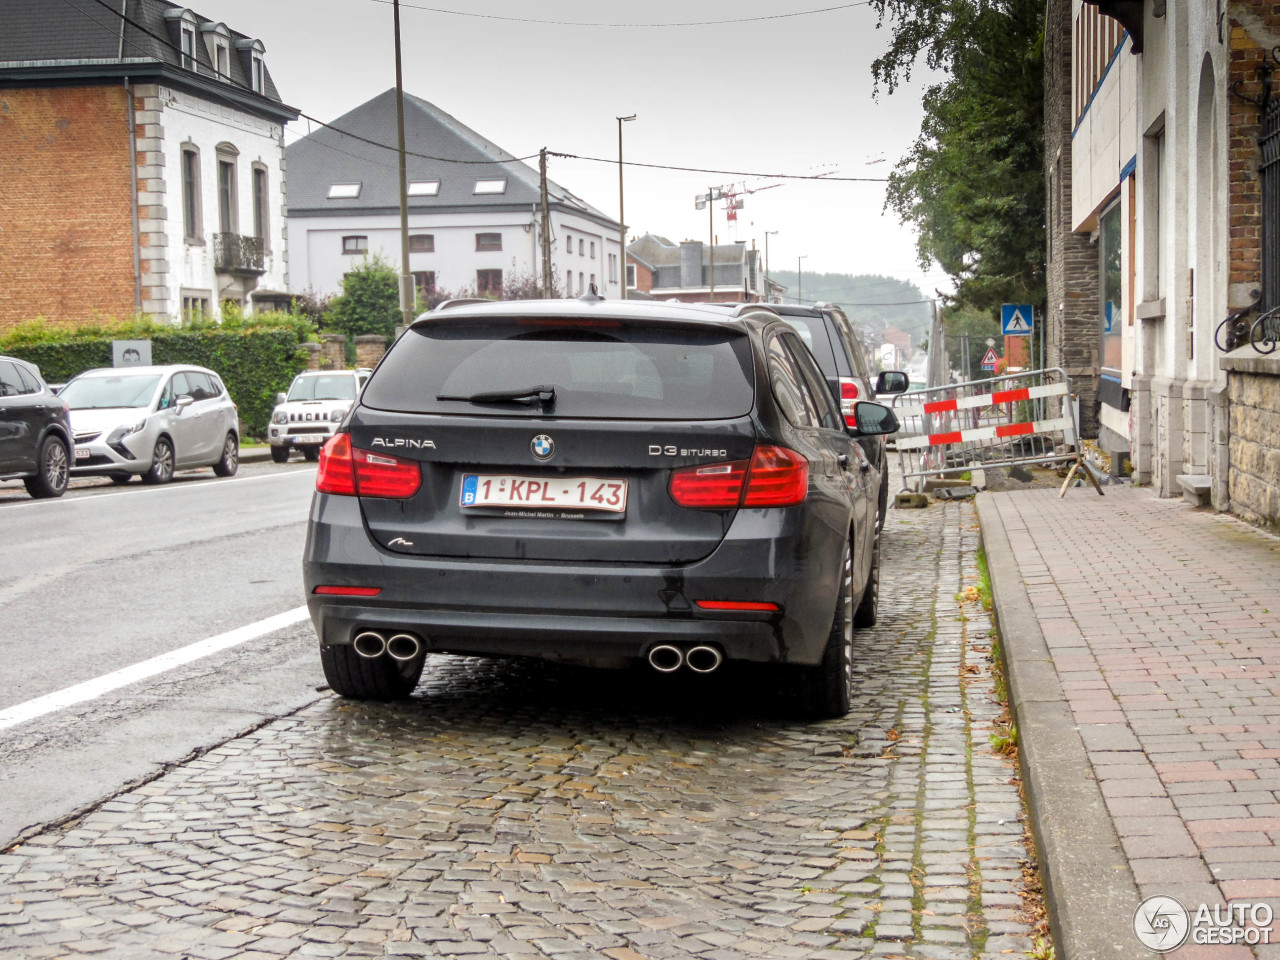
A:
[973,183]
[369,302]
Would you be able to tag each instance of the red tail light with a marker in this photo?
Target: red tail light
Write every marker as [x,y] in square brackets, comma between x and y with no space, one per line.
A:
[713,485]
[779,478]
[334,474]
[848,394]
[773,477]
[350,471]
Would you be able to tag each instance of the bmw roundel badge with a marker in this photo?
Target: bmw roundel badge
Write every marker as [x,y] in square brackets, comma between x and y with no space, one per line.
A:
[542,446]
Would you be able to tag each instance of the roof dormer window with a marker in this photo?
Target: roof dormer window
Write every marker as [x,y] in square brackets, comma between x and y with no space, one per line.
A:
[251,52]
[218,40]
[186,26]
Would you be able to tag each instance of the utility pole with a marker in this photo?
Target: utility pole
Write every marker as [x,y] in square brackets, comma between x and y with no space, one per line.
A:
[407,294]
[768,291]
[711,241]
[622,210]
[546,225]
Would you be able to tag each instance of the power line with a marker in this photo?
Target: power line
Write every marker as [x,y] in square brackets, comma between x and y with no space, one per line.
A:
[728,173]
[631,26]
[424,156]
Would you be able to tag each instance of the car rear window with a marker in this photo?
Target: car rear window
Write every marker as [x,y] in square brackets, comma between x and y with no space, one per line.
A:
[813,331]
[607,369]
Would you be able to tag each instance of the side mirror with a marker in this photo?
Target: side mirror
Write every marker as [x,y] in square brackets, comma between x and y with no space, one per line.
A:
[873,420]
[280,398]
[184,401]
[892,381]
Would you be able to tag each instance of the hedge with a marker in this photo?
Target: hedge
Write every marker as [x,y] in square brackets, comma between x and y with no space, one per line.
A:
[254,362]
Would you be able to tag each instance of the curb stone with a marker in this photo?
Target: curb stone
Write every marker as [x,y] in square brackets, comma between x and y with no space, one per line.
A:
[1089,889]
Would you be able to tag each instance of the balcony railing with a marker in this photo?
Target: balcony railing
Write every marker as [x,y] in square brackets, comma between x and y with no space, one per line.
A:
[233,253]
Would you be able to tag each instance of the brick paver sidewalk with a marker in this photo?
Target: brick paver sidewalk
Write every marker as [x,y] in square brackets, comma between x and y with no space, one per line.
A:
[1162,624]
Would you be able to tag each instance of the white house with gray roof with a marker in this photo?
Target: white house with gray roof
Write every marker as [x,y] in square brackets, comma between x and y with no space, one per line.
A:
[474,217]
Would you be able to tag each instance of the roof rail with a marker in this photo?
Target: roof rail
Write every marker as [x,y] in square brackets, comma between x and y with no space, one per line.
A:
[459,302]
[744,308]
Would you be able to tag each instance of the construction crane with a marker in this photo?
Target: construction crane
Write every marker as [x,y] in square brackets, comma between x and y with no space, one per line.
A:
[733,193]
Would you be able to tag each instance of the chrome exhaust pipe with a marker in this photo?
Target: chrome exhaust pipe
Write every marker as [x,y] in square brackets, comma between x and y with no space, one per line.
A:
[404,646]
[370,644]
[665,658]
[704,659]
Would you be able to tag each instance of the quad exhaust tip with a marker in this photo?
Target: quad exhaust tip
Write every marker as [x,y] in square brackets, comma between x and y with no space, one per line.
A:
[668,658]
[665,658]
[703,659]
[370,644]
[404,646]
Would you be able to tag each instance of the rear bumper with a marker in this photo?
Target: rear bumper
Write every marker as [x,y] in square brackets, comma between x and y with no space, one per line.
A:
[569,611]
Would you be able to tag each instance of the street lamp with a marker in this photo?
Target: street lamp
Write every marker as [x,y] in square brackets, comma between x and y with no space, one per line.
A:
[800,281]
[767,235]
[622,216]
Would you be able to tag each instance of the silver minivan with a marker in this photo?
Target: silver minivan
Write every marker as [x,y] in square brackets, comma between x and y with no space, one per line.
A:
[151,421]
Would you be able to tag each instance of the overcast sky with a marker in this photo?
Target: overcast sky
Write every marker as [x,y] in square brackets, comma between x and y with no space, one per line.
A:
[781,95]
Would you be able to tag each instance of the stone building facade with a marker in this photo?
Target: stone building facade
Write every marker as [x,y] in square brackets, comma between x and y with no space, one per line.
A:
[1071,331]
[1165,116]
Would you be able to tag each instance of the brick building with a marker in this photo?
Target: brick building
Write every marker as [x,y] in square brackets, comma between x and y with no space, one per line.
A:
[142,158]
[1164,219]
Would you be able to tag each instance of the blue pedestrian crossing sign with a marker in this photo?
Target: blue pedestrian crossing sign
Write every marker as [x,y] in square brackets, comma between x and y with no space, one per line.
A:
[1015,319]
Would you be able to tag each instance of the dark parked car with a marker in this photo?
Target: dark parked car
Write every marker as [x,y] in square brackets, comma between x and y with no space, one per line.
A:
[597,481]
[35,431]
[828,332]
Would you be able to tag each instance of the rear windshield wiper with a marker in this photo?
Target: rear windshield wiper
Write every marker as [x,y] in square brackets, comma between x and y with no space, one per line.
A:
[543,394]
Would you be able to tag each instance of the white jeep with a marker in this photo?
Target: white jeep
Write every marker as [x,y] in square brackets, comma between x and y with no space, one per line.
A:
[310,413]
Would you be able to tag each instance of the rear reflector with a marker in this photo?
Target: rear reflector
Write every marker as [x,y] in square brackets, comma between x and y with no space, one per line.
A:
[348,591]
[351,471]
[736,605]
[773,477]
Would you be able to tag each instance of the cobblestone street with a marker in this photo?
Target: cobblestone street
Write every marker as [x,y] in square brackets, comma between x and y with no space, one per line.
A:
[526,810]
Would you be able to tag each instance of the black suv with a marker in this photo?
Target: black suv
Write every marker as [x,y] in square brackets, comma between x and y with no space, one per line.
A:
[35,431]
[595,481]
[828,333]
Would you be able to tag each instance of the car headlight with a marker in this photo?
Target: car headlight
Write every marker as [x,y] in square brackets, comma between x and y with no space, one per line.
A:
[119,433]
[279,417]
[336,415]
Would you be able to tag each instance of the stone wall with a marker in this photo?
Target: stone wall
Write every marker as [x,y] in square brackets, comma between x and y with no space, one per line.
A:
[1253,395]
[333,351]
[1072,331]
[370,348]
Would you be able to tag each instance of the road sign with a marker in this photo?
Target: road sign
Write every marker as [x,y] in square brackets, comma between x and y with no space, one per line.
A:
[989,359]
[1016,319]
[1109,317]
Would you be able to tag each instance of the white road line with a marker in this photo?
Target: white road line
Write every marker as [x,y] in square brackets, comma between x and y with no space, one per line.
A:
[92,689]
[165,488]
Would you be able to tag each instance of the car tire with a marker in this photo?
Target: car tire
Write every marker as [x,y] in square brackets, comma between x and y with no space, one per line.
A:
[360,678]
[826,690]
[280,454]
[311,454]
[53,470]
[868,607]
[161,469]
[230,462]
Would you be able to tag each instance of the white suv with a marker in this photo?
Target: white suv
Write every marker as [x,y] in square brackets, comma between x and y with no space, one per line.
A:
[309,414]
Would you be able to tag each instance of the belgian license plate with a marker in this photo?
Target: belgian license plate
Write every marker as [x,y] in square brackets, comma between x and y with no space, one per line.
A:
[82,453]
[565,498]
